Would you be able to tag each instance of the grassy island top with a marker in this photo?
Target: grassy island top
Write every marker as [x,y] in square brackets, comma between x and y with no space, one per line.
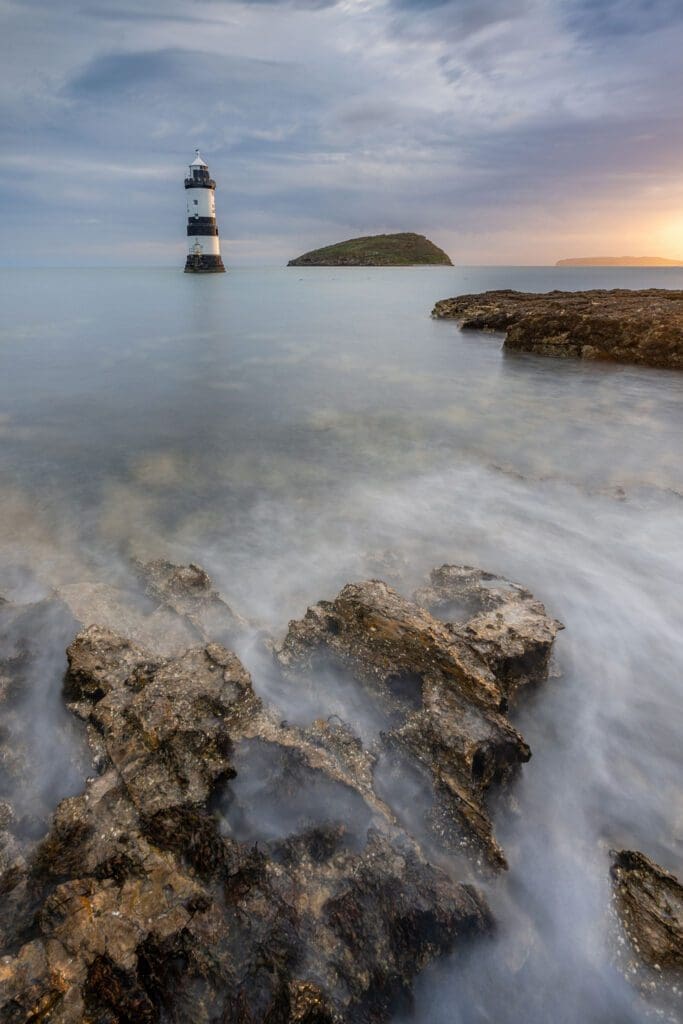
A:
[405,249]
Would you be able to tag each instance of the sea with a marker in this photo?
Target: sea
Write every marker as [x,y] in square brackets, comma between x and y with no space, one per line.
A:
[294,429]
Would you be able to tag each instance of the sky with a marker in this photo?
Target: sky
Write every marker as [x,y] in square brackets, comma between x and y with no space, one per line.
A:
[507,131]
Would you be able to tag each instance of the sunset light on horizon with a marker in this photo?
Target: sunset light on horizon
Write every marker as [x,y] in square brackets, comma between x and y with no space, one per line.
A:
[509,132]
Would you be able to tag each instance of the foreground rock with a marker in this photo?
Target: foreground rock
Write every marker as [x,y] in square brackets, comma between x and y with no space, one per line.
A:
[437,684]
[643,327]
[136,907]
[649,902]
[500,620]
[154,896]
[405,249]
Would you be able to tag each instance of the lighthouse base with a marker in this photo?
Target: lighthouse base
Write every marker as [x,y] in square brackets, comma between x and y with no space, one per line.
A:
[201,263]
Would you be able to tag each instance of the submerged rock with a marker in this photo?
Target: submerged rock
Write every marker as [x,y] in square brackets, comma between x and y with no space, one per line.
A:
[122,611]
[188,591]
[440,681]
[179,607]
[644,327]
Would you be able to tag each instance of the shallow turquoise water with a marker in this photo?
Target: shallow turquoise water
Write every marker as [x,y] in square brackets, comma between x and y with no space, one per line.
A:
[293,429]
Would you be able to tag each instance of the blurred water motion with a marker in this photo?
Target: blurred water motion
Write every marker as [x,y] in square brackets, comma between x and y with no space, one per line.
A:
[291,430]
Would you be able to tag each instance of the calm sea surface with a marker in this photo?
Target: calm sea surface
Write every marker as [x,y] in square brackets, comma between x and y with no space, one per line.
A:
[294,429]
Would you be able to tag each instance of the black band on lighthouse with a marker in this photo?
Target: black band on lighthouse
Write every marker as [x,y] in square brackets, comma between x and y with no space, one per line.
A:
[193,228]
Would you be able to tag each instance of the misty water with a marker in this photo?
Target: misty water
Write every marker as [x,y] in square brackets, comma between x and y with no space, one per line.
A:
[292,430]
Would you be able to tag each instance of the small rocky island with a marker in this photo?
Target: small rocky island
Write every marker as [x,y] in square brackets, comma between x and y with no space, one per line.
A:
[642,327]
[405,249]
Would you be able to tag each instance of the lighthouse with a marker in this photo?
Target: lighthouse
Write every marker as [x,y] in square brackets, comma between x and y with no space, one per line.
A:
[204,249]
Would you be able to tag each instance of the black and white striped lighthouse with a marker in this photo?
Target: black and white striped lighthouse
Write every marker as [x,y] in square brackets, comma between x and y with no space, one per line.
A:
[204,248]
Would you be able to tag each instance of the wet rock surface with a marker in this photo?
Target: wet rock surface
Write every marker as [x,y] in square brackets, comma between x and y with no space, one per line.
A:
[649,903]
[177,606]
[649,906]
[153,897]
[438,679]
[501,621]
[643,327]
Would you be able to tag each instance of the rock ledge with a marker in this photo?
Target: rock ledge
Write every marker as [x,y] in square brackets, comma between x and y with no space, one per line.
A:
[642,327]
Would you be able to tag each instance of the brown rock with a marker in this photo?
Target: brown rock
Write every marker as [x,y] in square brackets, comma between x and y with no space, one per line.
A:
[649,901]
[140,909]
[499,620]
[431,675]
[643,327]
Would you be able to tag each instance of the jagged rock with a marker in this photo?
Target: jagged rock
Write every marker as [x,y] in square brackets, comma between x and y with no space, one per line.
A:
[644,327]
[140,909]
[166,725]
[432,674]
[146,902]
[501,621]
[160,630]
[649,902]
[391,644]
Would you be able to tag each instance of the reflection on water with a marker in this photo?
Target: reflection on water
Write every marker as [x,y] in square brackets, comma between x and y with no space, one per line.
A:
[292,430]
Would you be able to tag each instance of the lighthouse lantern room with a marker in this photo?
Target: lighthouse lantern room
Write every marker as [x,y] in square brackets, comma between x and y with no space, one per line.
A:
[204,249]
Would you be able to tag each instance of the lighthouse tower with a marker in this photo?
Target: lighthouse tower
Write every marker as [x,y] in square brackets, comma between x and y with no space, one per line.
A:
[204,250]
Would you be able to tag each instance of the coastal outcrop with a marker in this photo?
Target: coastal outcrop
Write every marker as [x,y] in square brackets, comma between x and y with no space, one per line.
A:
[405,249]
[445,704]
[137,907]
[149,899]
[643,327]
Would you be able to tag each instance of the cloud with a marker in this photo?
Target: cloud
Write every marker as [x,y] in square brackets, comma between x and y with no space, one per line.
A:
[505,122]
[610,20]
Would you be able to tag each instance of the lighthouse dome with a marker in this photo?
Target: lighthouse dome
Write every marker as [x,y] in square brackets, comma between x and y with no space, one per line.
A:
[198,162]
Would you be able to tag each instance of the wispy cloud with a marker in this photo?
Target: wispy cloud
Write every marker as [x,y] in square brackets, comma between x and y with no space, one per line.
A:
[506,129]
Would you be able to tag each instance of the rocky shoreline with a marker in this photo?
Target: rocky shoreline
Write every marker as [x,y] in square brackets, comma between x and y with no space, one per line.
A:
[140,901]
[641,327]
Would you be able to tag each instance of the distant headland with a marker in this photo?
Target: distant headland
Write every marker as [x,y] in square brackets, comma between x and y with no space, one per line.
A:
[405,249]
[619,261]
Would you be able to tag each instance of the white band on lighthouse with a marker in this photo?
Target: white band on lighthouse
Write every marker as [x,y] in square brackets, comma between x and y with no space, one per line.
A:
[204,251]
[208,244]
